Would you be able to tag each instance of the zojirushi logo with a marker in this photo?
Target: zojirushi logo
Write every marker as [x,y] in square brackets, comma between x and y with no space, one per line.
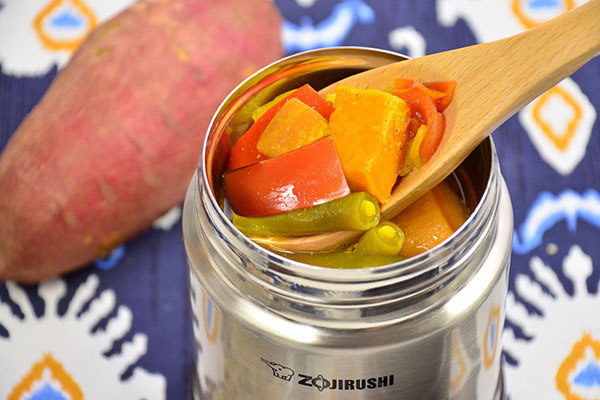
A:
[321,383]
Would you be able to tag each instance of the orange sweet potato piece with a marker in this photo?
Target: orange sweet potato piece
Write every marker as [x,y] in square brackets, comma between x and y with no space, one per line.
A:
[116,138]
[430,220]
[452,206]
[368,130]
[294,126]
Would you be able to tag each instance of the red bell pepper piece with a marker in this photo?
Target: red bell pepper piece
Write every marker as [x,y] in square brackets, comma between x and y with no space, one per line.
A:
[440,92]
[301,178]
[445,87]
[403,84]
[244,152]
[422,106]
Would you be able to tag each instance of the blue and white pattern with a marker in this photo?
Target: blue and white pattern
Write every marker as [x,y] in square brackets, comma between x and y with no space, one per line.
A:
[549,154]
[560,354]
[49,29]
[552,344]
[548,210]
[38,361]
[408,41]
[329,32]
[560,124]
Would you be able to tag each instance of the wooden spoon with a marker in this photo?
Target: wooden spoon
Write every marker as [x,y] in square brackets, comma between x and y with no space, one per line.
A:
[494,80]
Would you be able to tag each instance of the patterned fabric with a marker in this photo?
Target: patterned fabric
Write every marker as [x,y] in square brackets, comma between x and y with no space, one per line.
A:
[91,335]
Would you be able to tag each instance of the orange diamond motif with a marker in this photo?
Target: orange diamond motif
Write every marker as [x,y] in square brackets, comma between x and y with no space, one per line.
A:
[57,44]
[527,21]
[560,139]
[36,373]
[568,366]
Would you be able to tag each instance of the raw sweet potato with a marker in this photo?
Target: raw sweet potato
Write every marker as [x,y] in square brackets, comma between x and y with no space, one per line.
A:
[115,140]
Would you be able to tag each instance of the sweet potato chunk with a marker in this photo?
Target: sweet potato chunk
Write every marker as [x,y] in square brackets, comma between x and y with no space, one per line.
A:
[430,220]
[452,206]
[294,126]
[368,129]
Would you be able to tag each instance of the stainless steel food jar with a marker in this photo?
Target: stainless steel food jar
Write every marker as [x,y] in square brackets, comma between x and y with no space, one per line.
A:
[267,327]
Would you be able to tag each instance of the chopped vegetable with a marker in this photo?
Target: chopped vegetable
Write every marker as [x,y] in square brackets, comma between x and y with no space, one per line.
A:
[412,159]
[414,150]
[315,159]
[446,87]
[354,212]
[367,127]
[301,178]
[378,246]
[259,111]
[453,208]
[244,151]
[331,98]
[385,239]
[430,220]
[421,104]
[294,126]
[440,92]
[435,130]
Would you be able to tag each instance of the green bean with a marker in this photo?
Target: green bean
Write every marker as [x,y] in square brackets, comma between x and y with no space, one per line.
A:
[354,212]
[378,246]
[384,239]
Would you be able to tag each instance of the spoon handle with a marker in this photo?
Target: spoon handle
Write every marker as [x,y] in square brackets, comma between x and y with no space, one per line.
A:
[523,66]
[503,75]
[494,80]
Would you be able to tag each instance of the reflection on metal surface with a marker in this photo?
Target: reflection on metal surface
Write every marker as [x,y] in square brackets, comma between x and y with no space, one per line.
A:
[490,337]
[460,366]
[211,318]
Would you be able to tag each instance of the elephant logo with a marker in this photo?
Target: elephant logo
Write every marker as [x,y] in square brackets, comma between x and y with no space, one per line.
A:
[279,370]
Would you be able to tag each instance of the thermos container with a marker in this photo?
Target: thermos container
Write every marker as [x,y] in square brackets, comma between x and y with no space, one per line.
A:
[269,328]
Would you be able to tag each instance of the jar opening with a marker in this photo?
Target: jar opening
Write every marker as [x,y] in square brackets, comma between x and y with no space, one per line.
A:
[320,68]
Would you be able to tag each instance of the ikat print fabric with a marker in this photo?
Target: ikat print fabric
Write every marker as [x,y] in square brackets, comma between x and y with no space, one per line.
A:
[90,335]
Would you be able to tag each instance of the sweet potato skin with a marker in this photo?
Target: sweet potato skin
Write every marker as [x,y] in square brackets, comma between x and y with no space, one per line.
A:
[115,140]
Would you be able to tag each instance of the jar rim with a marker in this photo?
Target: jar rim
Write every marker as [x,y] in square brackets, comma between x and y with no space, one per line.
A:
[351,279]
